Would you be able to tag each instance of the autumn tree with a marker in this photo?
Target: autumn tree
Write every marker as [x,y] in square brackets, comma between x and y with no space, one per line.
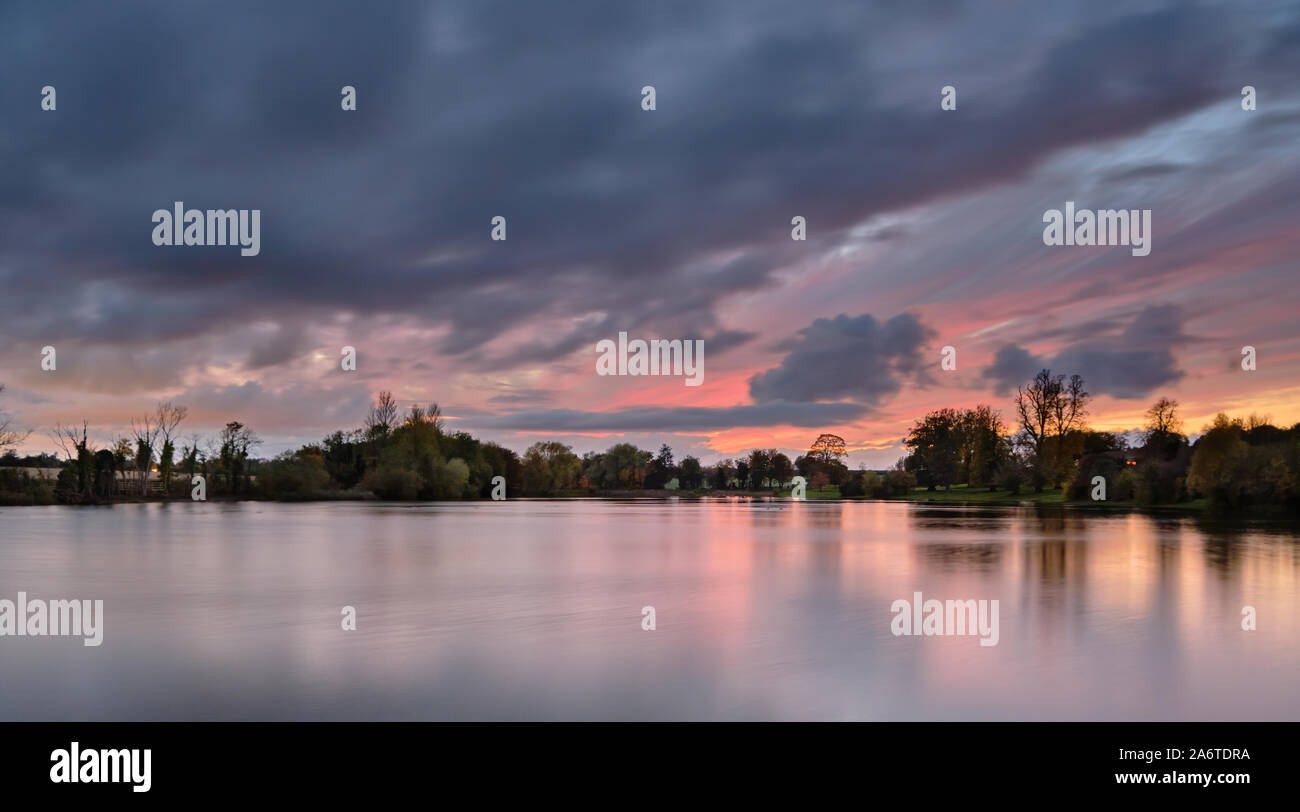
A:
[1218,468]
[625,466]
[935,443]
[982,446]
[826,455]
[550,467]
[828,448]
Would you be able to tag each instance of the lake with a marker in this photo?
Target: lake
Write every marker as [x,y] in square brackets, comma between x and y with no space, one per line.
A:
[532,609]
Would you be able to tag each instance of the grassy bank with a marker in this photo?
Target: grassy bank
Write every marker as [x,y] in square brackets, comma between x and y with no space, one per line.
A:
[957,495]
[961,494]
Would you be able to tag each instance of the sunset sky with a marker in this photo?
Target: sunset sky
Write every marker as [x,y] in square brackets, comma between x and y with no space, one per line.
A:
[924,226]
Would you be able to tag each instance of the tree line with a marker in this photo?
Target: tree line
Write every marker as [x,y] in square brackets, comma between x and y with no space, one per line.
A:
[393,455]
[1233,463]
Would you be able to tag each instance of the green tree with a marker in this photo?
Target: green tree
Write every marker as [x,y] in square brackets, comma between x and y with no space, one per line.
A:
[781,470]
[626,465]
[294,475]
[550,467]
[936,446]
[723,472]
[760,462]
[692,476]
[662,469]
[233,446]
[1218,470]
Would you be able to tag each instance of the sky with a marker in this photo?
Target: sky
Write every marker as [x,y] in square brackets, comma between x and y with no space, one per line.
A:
[924,225]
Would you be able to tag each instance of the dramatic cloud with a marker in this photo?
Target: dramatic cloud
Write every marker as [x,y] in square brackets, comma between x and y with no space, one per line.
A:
[1130,364]
[673,223]
[846,358]
[471,110]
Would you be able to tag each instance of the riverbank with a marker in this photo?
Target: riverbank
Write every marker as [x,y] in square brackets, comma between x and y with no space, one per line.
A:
[956,496]
[963,495]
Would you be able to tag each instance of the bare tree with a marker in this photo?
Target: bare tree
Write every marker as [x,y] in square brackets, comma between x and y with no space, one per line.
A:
[1034,408]
[192,458]
[421,416]
[1048,409]
[9,437]
[1162,417]
[1071,406]
[78,451]
[144,430]
[168,416]
[383,415]
[1255,421]
[65,437]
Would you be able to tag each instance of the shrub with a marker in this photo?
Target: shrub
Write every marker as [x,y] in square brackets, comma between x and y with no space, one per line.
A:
[900,482]
[1012,477]
[451,480]
[293,476]
[390,481]
[1090,466]
[1125,486]
[1158,483]
[852,487]
[20,488]
[873,486]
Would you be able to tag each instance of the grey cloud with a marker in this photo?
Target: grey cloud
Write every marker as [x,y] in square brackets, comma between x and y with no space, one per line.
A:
[282,345]
[682,418]
[844,357]
[476,109]
[1013,366]
[295,408]
[1143,171]
[1130,364]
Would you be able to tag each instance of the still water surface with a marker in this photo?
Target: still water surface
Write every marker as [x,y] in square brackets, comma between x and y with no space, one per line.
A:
[532,610]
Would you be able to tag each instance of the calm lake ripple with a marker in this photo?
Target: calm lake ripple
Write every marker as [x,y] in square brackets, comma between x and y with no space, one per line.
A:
[532,609]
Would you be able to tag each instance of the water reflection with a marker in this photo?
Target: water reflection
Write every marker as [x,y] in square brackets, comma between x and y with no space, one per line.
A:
[532,610]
